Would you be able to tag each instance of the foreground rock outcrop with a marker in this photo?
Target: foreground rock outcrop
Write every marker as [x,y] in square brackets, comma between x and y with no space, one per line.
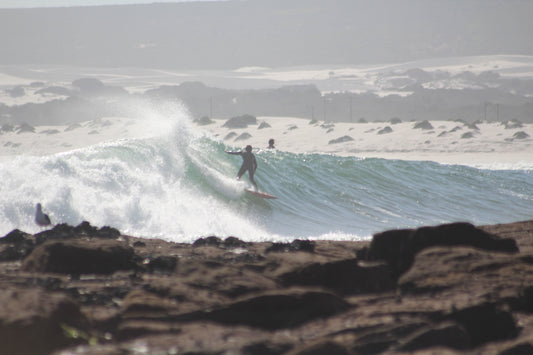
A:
[453,289]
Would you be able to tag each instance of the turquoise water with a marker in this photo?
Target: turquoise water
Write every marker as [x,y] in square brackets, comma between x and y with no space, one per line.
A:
[182,186]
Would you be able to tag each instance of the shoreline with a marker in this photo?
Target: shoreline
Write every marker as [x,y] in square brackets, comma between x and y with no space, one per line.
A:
[489,145]
[453,288]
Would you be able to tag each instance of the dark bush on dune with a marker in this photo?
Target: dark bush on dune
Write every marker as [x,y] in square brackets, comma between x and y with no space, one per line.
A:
[240,121]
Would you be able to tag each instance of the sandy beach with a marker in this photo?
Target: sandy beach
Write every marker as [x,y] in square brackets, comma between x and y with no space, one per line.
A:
[489,144]
[46,140]
[448,142]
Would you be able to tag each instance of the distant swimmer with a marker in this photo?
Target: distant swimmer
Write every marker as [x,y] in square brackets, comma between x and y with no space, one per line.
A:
[41,218]
[248,163]
[271,144]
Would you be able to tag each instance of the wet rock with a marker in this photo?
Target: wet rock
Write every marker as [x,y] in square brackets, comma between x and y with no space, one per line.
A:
[272,311]
[208,241]
[461,290]
[398,247]
[37,322]
[16,245]
[345,277]
[486,322]
[162,264]
[448,334]
[80,257]
[295,245]
[324,347]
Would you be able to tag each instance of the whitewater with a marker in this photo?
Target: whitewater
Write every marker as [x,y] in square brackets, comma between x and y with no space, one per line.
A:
[179,185]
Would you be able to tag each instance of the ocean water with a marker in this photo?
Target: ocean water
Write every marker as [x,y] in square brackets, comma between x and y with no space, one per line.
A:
[180,185]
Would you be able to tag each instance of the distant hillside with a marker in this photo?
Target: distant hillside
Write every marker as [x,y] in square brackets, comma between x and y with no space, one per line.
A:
[270,33]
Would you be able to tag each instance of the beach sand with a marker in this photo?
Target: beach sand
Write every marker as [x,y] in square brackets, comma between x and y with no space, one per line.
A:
[46,140]
[447,142]
[487,145]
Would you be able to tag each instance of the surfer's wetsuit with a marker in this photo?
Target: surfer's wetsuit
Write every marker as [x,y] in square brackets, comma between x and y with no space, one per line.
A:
[248,163]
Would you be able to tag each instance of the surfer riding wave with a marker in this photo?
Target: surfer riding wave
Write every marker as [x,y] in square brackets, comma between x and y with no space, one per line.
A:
[248,163]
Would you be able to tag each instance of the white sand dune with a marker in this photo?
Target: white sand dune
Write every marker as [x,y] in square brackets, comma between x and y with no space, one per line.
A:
[449,142]
[46,140]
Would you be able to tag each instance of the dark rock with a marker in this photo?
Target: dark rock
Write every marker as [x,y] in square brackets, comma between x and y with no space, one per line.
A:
[425,125]
[232,242]
[108,232]
[85,228]
[344,276]
[519,349]
[16,245]
[59,232]
[520,135]
[276,310]
[395,120]
[472,125]
[263,125]
[398,247]
[295,245]
[467,135]
[165,264]
[486,323]
[341,140]
[243,136]
[378,339]
[15,252]
[448,334]
[37,322]
[240,121]
[385,130]
[209,241]
[15,237]
[25,128]
[321,348]
[80,257]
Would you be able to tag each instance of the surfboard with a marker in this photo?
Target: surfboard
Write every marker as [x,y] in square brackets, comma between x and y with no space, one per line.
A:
[260,194]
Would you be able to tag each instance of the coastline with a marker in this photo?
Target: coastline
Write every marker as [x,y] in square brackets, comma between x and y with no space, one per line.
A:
[484,145]
[452,289]
[492,145]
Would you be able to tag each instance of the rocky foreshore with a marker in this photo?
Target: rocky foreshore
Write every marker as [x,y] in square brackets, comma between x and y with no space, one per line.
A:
[451,289]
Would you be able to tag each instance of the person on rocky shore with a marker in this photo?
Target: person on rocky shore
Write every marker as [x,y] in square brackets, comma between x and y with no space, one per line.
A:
[248,163]
[271,144]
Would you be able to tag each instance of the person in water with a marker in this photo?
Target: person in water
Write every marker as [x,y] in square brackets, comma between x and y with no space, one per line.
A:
[271,144]
[248,163]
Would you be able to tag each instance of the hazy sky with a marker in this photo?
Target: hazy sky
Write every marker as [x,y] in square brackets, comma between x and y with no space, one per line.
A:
[68,3]
[221,34]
